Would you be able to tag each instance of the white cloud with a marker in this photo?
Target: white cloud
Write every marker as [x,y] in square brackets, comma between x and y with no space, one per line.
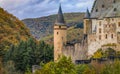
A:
[37,8]
[85,4]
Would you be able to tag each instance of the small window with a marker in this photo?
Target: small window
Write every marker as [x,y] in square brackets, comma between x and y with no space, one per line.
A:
[103,6]
[115,9]
[114,1]
[100,30]
[57,33]
[112,19]
[119,24]
[106,36]
[96,10]
[59,26]
[62,38]
[111,35]
[99,37]
[100,23]
[105,25]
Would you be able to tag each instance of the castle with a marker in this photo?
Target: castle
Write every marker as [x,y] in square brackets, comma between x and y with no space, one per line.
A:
[101,28]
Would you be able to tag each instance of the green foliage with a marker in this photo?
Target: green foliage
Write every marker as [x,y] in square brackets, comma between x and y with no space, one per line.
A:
[113,68]
[109,52]
[111,44]
[12,30]
[28,71]
[98,54]
[29,53]
[63,66]
[9,68]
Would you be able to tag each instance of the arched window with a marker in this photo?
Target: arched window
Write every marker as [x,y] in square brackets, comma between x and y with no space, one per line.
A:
[103,6]
[111,35]
[100,23]
[118,24]
[115,9]
[100,30]
[99,37]
[106,36]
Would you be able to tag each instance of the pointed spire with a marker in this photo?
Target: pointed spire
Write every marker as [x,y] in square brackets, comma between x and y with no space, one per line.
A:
[87,14]
[60,17]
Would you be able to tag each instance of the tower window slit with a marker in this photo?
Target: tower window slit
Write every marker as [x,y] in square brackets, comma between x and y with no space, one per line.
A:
[59,26]
[57,33]
[62,38]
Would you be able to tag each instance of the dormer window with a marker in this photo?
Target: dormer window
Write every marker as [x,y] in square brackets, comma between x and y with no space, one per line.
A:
[103,6]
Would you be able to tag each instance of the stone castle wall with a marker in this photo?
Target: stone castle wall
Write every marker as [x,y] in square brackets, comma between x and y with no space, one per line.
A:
[77,51]
[106,32]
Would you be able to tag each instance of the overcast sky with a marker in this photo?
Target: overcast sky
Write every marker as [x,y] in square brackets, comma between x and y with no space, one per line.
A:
[37,8]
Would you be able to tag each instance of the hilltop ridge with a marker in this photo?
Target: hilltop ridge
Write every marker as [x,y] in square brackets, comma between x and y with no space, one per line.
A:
[43,26]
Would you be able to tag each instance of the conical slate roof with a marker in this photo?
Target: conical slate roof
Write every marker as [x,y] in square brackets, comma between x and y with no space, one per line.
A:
[87,14]
[60,17]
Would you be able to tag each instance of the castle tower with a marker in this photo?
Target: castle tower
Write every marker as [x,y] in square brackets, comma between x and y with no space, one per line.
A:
[87,23]
[60,30]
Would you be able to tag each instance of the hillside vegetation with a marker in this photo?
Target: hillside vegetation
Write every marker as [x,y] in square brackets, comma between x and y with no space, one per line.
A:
[42,27]
[12,30]
[73,34]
